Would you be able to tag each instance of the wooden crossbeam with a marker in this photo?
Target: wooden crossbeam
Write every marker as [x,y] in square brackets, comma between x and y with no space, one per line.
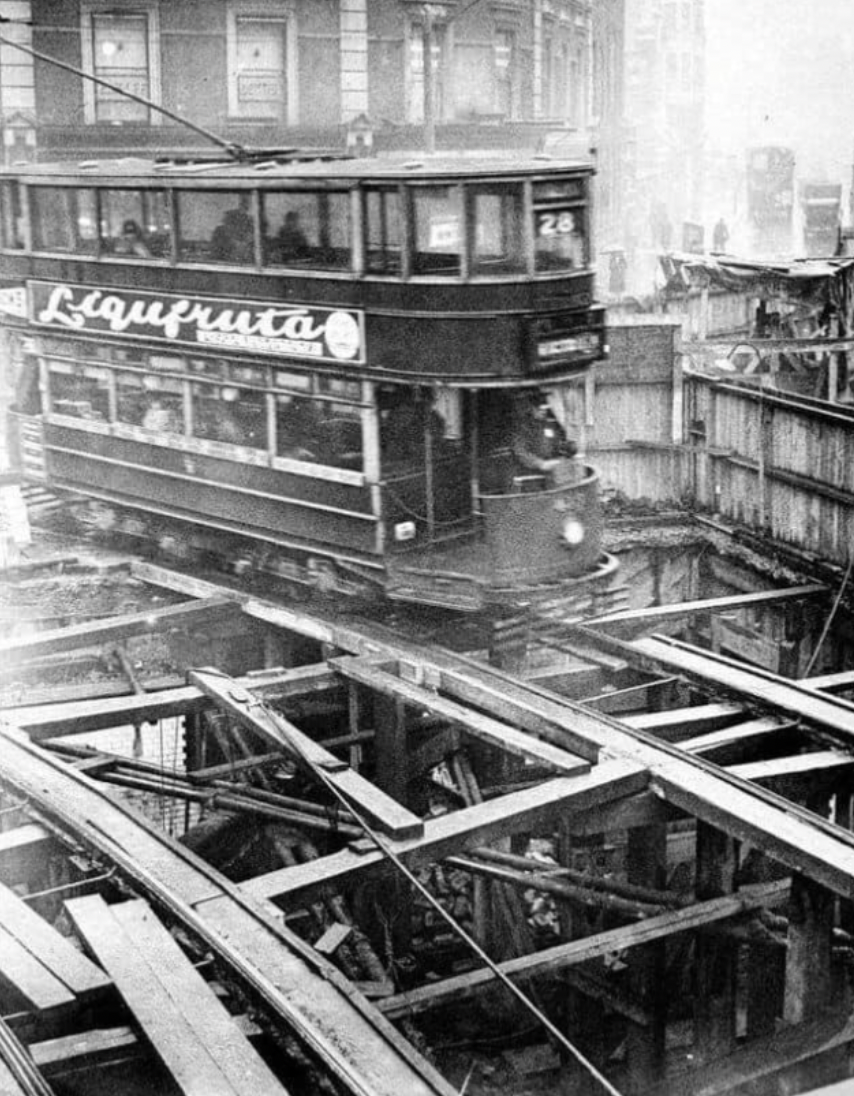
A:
[190,1030]
[453,832]
[799,699]
[79,717]
[115,628]
[742,736]
[798,765]
[591,947]
[487,729]
[676,723]
[628,619]
[383,811]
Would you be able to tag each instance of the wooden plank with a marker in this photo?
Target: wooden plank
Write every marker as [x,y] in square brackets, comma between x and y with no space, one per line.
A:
[798,699]
[195,1063]
[743,736]
[674,723]
[83,1050]
[42,991]
[9,1083]
[22,840]
[382,811]
[451,833]
[97,633]
[81,976]
[599,944]
[799,765]
[485,728]
[208,1017]
[48,721]
[654,614]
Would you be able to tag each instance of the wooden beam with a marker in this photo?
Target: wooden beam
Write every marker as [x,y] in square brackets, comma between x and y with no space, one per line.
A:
[800,700]
[451,833]
[485,728]
[190,1030]
[110,630]
[380,809]
[48,721]
[626,620]
[739,739]
[674,724]
[818,763]
[590,947]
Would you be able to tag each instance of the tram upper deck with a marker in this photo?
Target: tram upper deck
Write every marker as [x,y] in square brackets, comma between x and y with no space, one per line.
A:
[464,271]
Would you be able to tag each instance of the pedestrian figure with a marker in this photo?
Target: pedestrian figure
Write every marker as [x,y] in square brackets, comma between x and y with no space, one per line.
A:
[720,236]
[617,273]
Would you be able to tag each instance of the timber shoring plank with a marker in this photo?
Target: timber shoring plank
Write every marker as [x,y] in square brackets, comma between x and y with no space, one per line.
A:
[489,730]
[383,811]
[591,947]
[79,974]
[675,723]
[84,1050]
[450,833]
[191,1058]
[99,632]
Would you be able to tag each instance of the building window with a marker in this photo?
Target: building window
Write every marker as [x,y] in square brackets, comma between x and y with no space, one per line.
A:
[415,72]
[261,62]
[120,46]
[505,64]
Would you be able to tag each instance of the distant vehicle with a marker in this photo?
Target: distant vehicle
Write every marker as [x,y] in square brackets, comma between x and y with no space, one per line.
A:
[320,356]
[821,213]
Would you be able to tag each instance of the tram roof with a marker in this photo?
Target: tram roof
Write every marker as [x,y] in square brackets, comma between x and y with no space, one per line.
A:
[292,167]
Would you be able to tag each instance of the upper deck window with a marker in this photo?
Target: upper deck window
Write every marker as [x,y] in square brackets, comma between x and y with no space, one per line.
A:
[497,244]
[437,230]
[215,226]
[383,230]
[135,223]
[64,219]
[560,225]
[13,220]
[308,229]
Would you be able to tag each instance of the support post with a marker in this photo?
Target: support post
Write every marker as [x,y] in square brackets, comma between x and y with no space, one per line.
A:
[716,957]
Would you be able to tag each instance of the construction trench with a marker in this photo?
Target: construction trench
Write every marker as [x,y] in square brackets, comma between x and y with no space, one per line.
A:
[335,843]
[250,844]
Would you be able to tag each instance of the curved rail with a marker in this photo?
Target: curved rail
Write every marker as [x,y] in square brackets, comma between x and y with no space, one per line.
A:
[352,1041]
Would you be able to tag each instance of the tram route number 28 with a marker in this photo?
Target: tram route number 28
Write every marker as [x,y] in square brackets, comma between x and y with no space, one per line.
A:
[557,223]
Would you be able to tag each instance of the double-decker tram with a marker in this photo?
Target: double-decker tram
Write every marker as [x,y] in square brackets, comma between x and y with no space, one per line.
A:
[347,372]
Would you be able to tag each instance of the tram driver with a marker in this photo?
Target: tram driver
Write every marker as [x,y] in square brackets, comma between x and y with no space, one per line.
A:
[539,443]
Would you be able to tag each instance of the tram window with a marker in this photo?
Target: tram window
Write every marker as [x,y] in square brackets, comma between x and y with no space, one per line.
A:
[438,220]
[152,402]
[13,218]
[497,239]
[135,223]
[215,226]
[208,368]
[383,231]
[224,413]
[64,219]
[337,386]
[307,229]
[318,431]
[560,241]
[82,392]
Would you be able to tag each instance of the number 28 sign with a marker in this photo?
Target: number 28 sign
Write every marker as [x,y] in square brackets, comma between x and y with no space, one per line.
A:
[558,222]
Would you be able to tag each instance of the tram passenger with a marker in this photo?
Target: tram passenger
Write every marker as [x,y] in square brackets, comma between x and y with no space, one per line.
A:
[158,417]
[297,428]
[232,241]
[290,239]
[132,241]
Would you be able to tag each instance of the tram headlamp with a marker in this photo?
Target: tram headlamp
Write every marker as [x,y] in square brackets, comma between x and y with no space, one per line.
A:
[572,531]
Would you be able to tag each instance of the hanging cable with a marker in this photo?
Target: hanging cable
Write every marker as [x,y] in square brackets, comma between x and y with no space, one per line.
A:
[234,150]
[456,927]
[830,617]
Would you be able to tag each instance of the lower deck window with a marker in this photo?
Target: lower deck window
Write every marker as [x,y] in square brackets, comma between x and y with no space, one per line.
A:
[228,414]
[154,403]
[80,391]
[318,431]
